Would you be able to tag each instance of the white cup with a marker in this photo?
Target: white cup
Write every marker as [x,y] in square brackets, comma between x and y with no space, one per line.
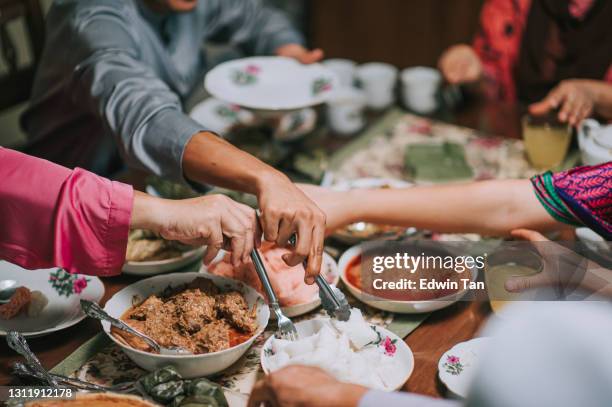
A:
[344,70]
[378,79]
[345,111]
[419,88]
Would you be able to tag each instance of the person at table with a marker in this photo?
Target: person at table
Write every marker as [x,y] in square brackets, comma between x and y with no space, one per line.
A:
[552,354]
[55,217]
[551,201]
[113,76]
[551,54]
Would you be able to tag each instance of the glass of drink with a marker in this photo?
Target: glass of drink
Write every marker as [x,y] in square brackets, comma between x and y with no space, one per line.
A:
[504,264]
[546,141]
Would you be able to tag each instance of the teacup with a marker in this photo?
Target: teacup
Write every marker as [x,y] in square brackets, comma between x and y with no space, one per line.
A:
[345,111]
[419,89]
[378,79]
[344,70]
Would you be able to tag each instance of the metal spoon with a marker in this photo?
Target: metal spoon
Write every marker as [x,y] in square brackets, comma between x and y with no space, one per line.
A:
[17,342]
[7,289]
[94,310]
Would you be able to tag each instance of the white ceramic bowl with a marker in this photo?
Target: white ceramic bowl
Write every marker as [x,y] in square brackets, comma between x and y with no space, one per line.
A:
[401,307]
[312,326]
[188,366]
[457,373]
[153,267]
[329,269]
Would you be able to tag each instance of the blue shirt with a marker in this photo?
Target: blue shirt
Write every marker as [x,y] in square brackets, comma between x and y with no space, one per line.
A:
[115,73]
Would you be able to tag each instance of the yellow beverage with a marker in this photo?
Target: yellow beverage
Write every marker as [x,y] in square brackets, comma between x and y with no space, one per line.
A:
[546,142]
[496,277]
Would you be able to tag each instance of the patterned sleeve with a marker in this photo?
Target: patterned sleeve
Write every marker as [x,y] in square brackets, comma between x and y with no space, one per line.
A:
[580,196]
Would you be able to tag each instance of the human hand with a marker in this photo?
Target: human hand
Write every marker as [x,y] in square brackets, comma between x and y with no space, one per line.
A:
[339,207]
[214,220]
[563,269]
[298,52]
[302,386]
[575,99]
[460,64]
[285,211]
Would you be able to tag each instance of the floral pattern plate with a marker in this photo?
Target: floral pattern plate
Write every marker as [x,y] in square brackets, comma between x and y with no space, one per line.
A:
[457,366]
[219,116]
[63,290]
[271,83]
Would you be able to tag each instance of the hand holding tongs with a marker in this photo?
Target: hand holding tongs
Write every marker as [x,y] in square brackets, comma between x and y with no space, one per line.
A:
[332,299]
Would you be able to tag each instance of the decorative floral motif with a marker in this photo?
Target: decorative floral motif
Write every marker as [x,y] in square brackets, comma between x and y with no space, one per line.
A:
[453,365]
[321,85]
[385,342]
[228,111]
[246,76]
[67,284]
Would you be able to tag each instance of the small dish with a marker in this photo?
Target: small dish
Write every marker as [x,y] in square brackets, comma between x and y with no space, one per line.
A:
[457,365]
[63,291]
[363,231]
[219,116]
[154,267]
[400,307]
[189,366]
[271,83]
[401,349]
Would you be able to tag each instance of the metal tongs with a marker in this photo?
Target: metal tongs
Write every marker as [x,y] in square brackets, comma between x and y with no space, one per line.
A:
[332,299]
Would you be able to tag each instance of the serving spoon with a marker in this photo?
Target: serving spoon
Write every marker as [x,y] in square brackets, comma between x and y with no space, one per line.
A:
[94,310]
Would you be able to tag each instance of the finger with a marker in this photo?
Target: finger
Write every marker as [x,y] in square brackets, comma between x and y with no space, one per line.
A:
[312,56]
[261,394]
[286,229]
[270,221]
[215,243]
[526,234]
[567,109]
[235,228]
[300,252]
[249,237]
[520,284]
[315,258]
[550,102]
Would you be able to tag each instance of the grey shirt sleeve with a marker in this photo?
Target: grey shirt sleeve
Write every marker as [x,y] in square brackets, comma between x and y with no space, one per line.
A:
[250,26]
[136,106]
[377,398]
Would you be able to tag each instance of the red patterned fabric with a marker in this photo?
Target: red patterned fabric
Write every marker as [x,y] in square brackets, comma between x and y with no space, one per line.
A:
[587,191]
[498,42]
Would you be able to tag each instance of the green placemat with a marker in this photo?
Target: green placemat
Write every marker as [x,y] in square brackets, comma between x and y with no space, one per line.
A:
[83,353]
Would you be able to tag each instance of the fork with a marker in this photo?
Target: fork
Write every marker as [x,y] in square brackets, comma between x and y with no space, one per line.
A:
[286,329]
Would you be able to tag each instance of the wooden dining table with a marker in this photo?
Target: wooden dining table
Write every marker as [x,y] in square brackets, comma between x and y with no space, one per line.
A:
[438,333]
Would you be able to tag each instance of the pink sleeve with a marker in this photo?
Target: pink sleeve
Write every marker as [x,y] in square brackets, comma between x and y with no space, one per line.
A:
[51,216]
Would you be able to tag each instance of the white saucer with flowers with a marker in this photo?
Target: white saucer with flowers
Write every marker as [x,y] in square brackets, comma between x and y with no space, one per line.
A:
[457,365]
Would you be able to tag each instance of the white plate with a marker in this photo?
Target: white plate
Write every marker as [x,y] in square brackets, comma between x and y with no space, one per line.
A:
[62,310]
[312,326]
[219,116]
[329,269]
[154,267]
[189,366]
[457,365]
[401,307]
[271,83]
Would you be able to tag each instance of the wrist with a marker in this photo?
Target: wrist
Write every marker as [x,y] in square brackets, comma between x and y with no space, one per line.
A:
[267,177]
[147,212]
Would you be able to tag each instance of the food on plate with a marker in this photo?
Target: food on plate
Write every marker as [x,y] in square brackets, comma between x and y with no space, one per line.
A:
[93,399]
[287,282]
[32,302]
[144,245]
[198,317]
[365,282]
[167,386]
[352,351]
[17,303]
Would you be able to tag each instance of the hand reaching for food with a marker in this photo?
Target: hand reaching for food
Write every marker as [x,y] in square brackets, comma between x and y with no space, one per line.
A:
[460,64]
[213,220]
[575,99]
[298,52]
[340,210]
[285,211]
[304,386]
